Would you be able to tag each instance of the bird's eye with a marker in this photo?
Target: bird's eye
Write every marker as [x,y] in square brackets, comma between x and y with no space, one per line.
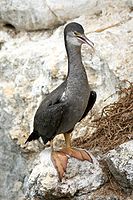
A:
[76,33]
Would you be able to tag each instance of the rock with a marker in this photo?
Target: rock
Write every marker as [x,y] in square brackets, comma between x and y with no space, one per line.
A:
[46,14]
[42,14]
[96,198]
[27,15]
[13,169]
[81,177]
[107,198]
[96,195]
[120,163]
[104,194]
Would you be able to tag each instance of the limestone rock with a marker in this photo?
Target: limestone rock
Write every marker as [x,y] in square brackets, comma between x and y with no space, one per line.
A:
[42,14]
[91,197]
[12,169]
[120,163]
[27,15]
[81,177]
[46,14]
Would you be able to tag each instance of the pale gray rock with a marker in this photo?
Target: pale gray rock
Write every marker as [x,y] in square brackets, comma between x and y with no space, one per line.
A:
[42,14]
[13,169]
[65,10]
[96,195]
[27,14]
[81,177]
[105,198]
[47,14]
[91,197]
[120,163]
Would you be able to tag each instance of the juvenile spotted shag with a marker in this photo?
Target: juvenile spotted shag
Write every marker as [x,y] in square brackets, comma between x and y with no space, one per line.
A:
[67,104]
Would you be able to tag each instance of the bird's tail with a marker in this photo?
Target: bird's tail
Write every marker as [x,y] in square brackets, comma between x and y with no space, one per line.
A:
[33,136]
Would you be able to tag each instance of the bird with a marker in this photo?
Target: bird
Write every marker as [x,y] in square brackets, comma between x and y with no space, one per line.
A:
[68,104]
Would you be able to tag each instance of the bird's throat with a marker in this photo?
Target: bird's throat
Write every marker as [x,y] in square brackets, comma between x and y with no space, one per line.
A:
[75,65]
[73,53]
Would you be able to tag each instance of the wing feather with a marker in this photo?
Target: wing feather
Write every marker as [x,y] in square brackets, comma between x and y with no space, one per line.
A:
[47,120]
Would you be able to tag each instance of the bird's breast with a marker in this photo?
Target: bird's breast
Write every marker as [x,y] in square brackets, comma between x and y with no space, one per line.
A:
[76,98]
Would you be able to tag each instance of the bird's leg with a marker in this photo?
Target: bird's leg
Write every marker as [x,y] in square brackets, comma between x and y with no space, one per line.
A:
[59,160]
[80,154]
[67,137]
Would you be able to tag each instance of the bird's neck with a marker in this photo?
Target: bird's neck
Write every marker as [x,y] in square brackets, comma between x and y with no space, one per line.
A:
[75,65]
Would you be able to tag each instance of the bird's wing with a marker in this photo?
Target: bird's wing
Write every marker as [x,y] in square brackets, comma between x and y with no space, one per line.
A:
[48,118]
[91,102]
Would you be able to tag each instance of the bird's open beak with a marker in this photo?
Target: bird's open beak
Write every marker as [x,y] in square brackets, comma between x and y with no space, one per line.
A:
[84,39]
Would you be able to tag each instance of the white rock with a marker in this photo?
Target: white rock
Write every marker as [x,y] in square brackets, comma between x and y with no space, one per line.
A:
[41,14]
[12,169]
[46,14]
[65,10]
[27,14]
[81,177]
[120,163]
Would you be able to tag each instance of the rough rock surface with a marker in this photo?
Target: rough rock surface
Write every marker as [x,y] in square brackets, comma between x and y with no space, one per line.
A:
[46,14]
[42,14]
[81,177]
[90,197]
[120,163]
[12,169]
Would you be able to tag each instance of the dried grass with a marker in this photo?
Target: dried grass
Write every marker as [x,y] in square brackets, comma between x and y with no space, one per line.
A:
[115,126]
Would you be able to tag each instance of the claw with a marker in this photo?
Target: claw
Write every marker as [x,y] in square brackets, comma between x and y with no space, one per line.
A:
[59,160]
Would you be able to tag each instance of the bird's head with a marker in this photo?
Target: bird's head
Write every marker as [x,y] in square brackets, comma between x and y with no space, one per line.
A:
[74,34]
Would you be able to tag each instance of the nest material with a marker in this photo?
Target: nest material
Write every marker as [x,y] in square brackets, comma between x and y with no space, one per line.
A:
[115,126]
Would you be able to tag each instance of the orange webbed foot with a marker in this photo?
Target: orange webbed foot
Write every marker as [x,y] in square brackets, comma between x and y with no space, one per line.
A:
[79,154]
[59,160]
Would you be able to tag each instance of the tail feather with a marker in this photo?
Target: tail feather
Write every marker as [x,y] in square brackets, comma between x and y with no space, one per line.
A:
[45,139]
[33,136]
